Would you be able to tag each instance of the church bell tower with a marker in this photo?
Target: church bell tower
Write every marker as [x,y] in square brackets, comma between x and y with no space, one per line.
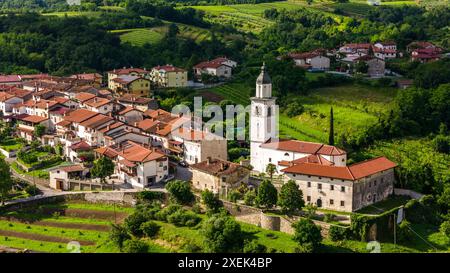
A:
[263,118]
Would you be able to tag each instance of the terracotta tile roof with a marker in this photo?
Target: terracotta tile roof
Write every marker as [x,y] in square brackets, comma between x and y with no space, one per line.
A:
[9,78]
[303,147]
[87,76]
[315,159]
[84,96]
[169,68]
[61,100]
[126,71]
[20,93]
[304,55]
[216,167]
[80,115]
[80,146]
[128,109]
[5,96]
[109,127]
[96,121]
[63,123]
[130,98]
[126,79]
[72,168]
[33,119]
[217,62]
[147,124]
[352,173]
[358,46]
[97,102]
[127,163]
[33,76]
[106,151]
[59,110]
[137,153]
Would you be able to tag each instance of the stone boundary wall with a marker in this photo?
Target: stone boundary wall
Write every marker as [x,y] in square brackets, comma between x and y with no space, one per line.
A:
[127,198]
[257,217]
[410,193]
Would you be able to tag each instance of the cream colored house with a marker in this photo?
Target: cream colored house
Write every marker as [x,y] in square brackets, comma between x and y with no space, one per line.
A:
[137,72]
[343,188]
[131,84]
[169,76]
[218,176]
[60,176]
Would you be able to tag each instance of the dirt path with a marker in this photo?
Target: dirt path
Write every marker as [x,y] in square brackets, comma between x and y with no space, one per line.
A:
[40,237]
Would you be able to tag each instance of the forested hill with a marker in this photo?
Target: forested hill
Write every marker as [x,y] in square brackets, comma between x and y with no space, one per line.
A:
[32,4]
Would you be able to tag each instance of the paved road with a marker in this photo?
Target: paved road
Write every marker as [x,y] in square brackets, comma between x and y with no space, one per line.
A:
[183,174]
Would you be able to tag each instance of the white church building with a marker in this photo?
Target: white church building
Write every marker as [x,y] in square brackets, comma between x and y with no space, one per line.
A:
[320,170]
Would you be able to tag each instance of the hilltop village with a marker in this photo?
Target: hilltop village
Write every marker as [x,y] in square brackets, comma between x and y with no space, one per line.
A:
[87,119]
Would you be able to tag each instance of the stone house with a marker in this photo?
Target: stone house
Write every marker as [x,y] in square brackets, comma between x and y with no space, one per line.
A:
[218,176]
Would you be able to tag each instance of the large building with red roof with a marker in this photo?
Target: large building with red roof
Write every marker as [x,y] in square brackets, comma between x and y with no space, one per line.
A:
[169,76]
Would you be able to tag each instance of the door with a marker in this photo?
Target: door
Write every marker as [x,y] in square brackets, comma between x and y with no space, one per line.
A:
[150,180]
[59,185]
[319,203]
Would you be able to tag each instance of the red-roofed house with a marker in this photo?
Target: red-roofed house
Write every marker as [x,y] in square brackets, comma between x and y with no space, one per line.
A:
[141,166]
[135,72]
[343,188]
[220,67]
[169,76]
[310,60]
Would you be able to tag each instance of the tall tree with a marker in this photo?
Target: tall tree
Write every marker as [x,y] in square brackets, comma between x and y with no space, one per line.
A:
[103,168]
[331,136]
[307,235]
[5,180]
[267,194]
[290,198]
[270,170]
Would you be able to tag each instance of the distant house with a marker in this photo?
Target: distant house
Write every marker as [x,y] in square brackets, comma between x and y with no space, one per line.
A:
[131,84]
[311,60]
[95,78]
[376,66]
[218,176]
[424,52]
[403,84]
[10,79]
[141,103]
[355,48]
[220,67]
[169,76]
[385,50]
[136,72]
[27,123]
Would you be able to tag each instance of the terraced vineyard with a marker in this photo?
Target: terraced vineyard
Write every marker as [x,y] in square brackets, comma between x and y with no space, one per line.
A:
[49,228]
[139,36]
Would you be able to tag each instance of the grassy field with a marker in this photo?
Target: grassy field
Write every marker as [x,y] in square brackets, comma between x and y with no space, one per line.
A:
[355,107]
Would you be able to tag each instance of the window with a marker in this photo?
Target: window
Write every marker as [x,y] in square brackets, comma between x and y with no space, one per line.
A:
[331,187]
[286,154]
[139,180]
[270,159]
[224,179]
[308,198]
[370,184]
[374,182]
[331,202]
[342,189]
[342,203]
[309,184]
[319,186]
[269,111]
[382,180]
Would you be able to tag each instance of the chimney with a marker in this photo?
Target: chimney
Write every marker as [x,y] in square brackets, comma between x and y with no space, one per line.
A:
[208,160]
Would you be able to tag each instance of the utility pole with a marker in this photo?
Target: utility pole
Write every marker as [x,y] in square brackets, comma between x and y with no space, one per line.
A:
[395,234]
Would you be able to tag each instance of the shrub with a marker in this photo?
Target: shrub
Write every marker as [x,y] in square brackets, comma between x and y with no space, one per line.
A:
[329,217]
[163,214]
[150,228]
[445,228]
[233,196]
[210,200]
[32,190]
[222,234]
[307,234]
[183,217]
[133,223]
[191,247]
[254,247]
[337,233]
[118,235]
[404,232]
[148,196]
[267,194]
[180,192]
[135,246]
[290,198]
[250,197]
